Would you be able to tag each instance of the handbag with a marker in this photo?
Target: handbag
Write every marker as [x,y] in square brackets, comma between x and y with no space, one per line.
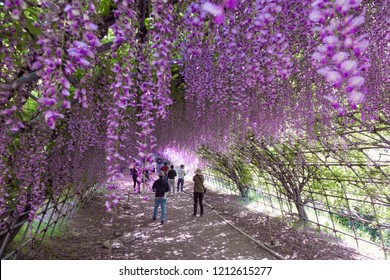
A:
[205,190]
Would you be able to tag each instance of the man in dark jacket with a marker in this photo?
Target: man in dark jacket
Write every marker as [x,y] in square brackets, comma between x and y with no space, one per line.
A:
[161,188]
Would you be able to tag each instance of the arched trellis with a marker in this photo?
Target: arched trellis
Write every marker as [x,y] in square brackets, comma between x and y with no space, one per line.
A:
[347,195]
[96,81]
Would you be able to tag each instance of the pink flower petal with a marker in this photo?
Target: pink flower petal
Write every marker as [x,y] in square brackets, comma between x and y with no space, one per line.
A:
[66,104]
[319,56]
[231,4]
[360,46]
[348,66]
[316,15]
[340,57]
[356,97]
[334,77]
[36,65]
[65,92]
[348,42]
[331,40]
[332,100]
[213,9]
[358,21]
[91,26]
[219,19]
[341,111]
[342,5]
[356,81]
[324,71]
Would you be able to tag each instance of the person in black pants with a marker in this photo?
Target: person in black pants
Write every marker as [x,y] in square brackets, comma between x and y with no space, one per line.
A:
[171,178]
[135,173]
[199,191]
[161,188]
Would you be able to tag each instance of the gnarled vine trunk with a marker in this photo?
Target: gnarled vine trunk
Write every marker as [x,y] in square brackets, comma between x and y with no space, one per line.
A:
[300,206]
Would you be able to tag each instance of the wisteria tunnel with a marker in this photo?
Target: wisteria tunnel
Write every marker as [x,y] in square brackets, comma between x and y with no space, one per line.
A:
[282,106]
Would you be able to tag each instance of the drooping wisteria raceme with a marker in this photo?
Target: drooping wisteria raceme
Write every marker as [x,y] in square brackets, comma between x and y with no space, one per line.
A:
[278,71]
[51,64]
[84,85]
[122,93]
[340,54]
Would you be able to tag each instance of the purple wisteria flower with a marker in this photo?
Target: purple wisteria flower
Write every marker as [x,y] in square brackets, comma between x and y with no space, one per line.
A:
[216,10]
[51,117]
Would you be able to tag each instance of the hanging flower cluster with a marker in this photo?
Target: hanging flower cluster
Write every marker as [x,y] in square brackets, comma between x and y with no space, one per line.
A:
[4,170]
[60,56]
[256,70]
[246,65]
[161,36]
[32,165]
[340,56]
[123,95]
[9,69]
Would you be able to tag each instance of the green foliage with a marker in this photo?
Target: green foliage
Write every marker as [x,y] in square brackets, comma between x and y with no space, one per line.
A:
[148,23]
[30,108]
[39,227]
[31,15]
[105,6]
[109,37]
[342,173]
[229,165]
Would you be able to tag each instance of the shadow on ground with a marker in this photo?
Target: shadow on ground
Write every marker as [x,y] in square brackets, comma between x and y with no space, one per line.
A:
[182,237]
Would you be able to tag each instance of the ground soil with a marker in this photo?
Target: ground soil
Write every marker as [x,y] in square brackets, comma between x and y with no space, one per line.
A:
[183,236]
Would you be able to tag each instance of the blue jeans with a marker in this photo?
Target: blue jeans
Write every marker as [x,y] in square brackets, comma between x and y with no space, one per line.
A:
[157,202]
[180,182]
[159,167]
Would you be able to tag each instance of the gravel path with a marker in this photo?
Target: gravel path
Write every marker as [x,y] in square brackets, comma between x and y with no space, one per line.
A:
[186,237]
[183,237]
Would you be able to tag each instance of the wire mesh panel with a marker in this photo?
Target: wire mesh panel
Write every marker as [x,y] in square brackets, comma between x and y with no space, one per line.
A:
[18,231]
[338,183]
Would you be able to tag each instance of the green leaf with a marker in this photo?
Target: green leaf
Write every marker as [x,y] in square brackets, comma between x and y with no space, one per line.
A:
[31,13]
[33,30]
[31,17]
[104,7]
[147,23]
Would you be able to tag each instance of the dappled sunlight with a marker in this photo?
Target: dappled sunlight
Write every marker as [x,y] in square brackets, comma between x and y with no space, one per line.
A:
[283,106]
[182,236]
[134,235]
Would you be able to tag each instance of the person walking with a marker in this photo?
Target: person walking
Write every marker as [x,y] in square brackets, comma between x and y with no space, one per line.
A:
[199,190]
[135,174]
[161,188]
[165,168]
[159,163]
[131,166]
[171,179]
[180,175]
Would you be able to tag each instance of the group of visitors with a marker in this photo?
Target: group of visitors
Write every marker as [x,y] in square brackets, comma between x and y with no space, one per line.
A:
[170,175]
[165,185]
[135,172]
[166,182]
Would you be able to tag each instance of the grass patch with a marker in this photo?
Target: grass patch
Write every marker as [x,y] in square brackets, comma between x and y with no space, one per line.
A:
[36,231]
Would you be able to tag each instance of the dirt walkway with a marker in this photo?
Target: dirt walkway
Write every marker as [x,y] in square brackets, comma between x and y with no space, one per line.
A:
[182,236]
